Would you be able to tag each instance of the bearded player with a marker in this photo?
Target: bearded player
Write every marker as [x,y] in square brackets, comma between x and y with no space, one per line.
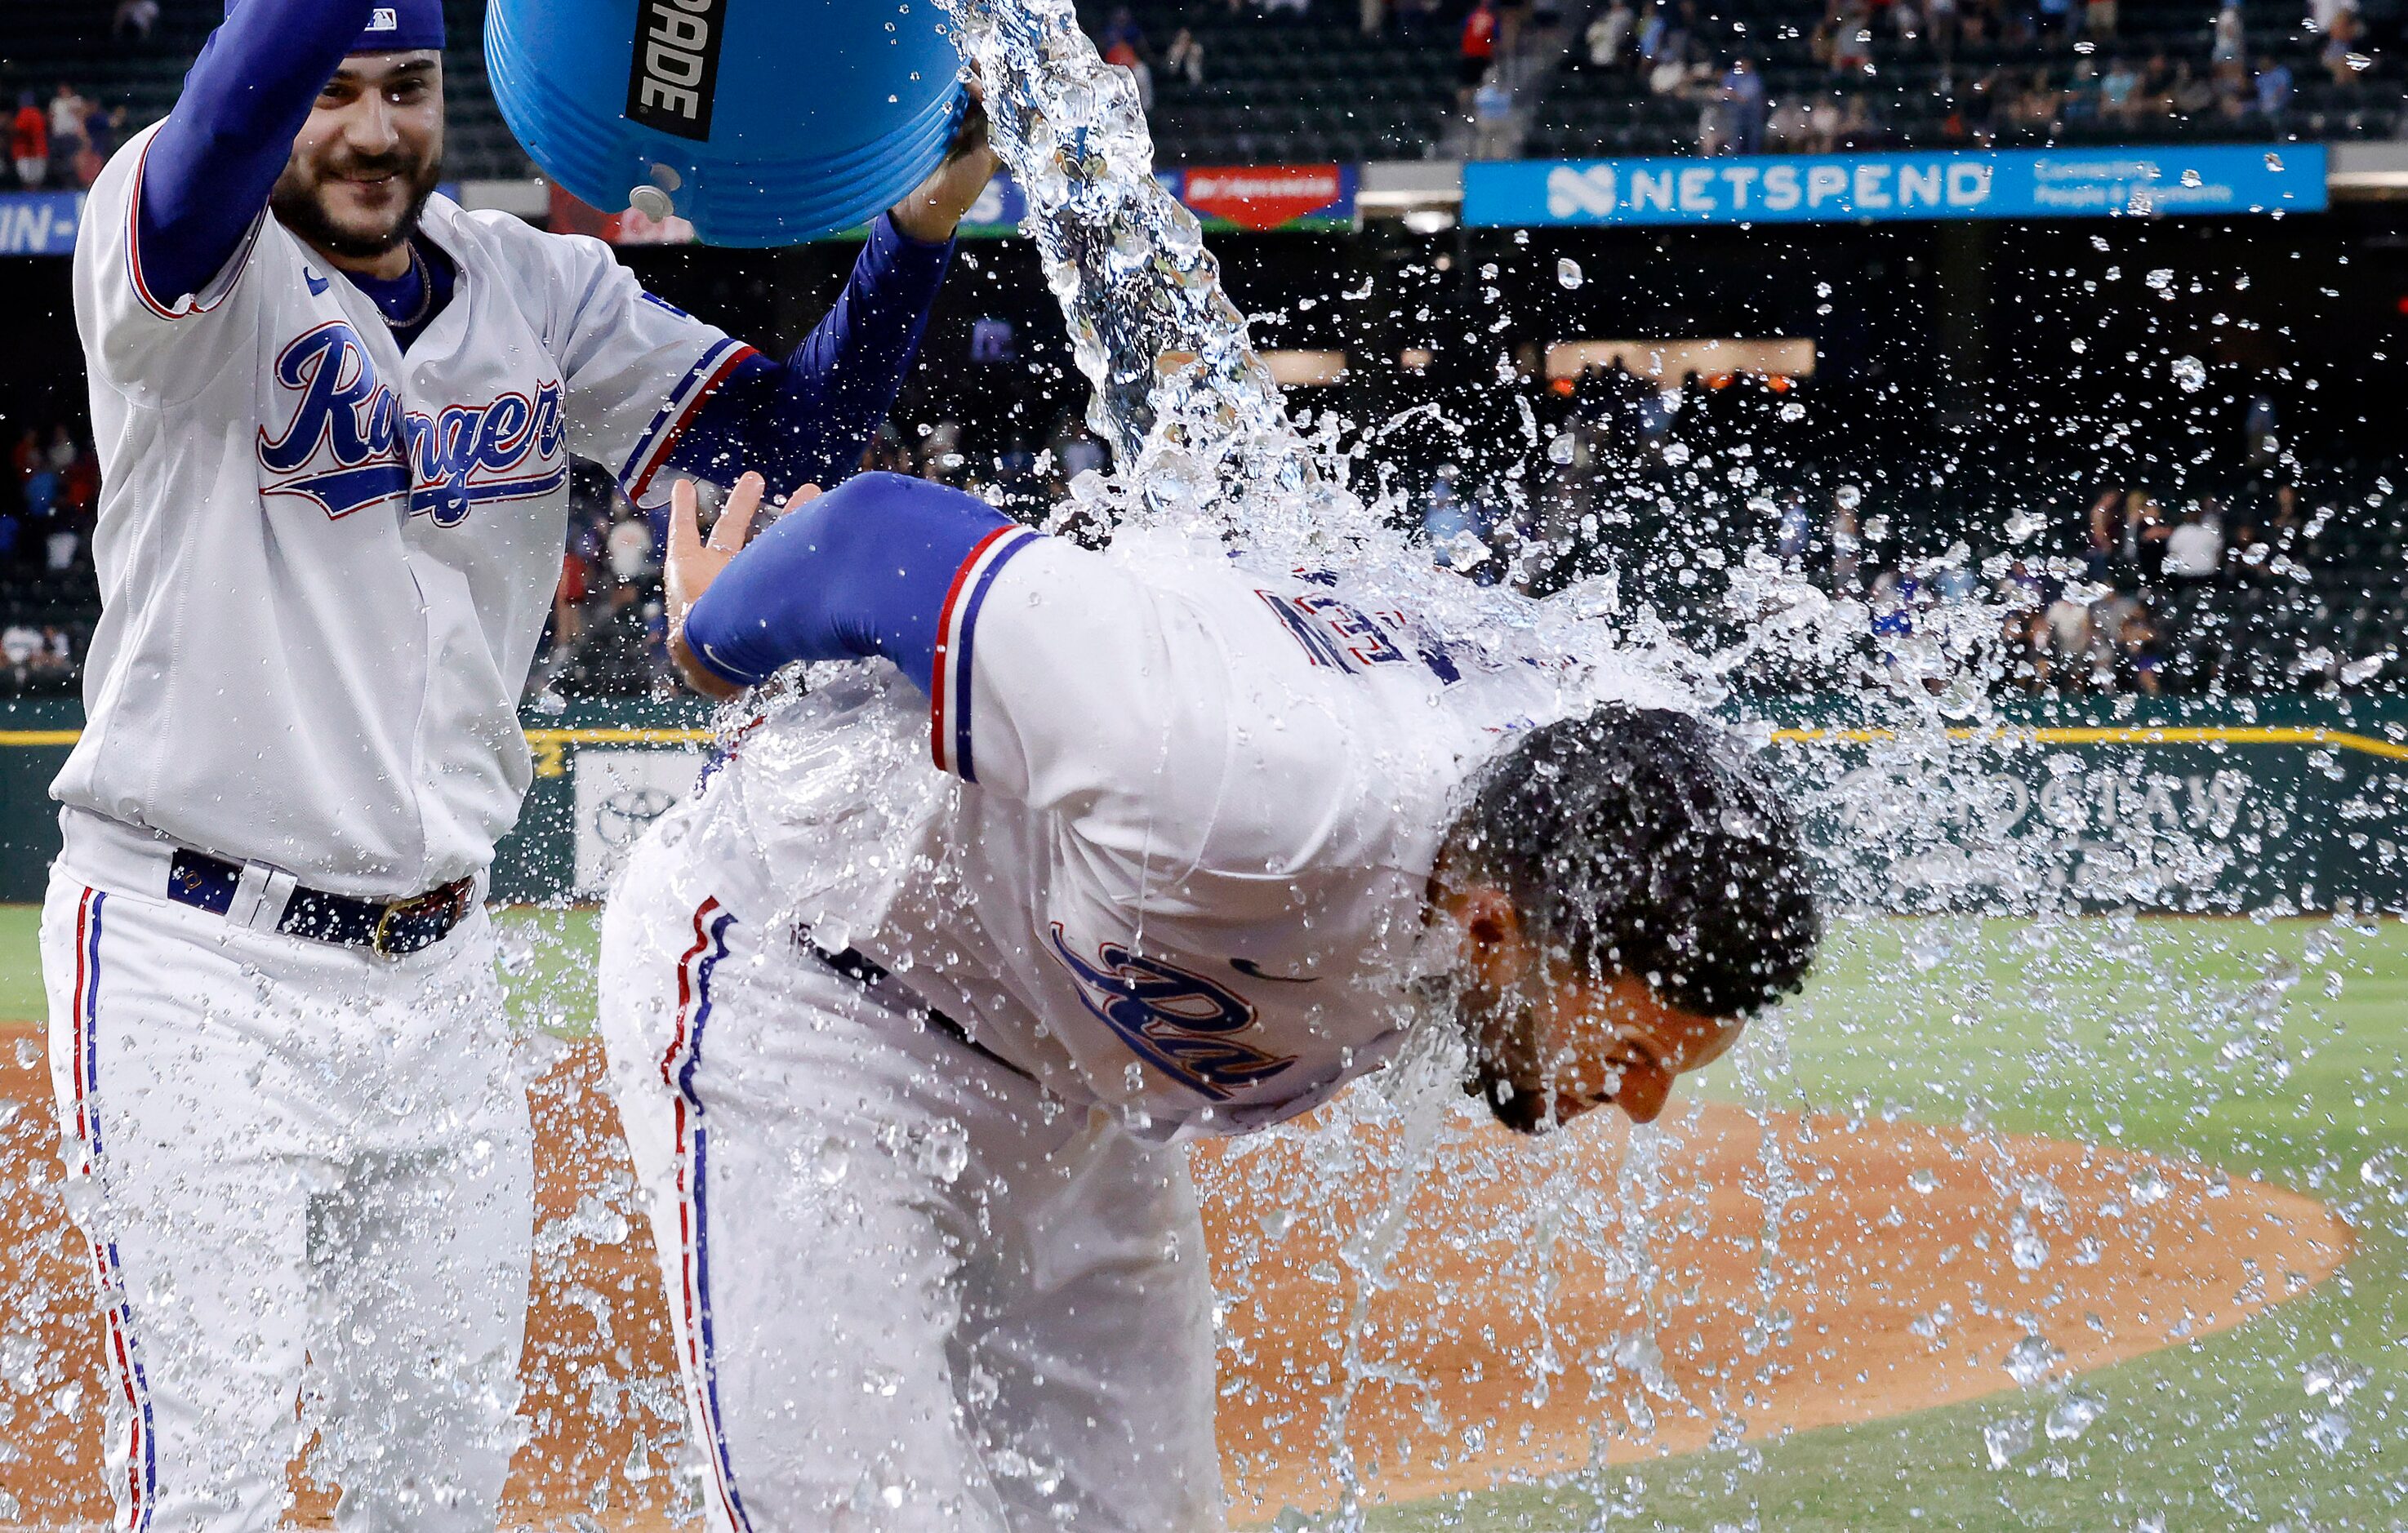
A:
[335,414]
[905,1053]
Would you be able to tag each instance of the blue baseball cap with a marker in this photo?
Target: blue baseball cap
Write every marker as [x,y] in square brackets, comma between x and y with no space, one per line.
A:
[395,27]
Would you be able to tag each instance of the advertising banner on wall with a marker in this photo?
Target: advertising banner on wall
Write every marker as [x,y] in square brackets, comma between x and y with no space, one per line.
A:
[40,223]
[2164,181]
[1222,197]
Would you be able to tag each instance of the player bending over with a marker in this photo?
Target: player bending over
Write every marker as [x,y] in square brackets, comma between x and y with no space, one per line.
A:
[905,1057]
[335,413]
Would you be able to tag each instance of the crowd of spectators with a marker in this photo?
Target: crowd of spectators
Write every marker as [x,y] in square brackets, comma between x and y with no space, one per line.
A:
[63,143]
[48,497]
[2100,622]
[1999,72]
[1665,488]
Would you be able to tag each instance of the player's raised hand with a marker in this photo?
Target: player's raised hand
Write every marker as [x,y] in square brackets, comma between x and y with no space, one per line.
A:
[936,206]
[693,563]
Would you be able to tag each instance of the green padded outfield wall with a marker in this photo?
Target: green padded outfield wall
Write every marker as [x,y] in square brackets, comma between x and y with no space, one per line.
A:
[2223,804]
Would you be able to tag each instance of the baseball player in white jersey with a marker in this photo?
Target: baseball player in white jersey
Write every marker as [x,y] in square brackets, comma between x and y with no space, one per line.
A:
[335,413]
[905,1055]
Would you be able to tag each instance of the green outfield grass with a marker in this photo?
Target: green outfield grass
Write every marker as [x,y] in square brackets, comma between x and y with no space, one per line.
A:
[2152,1035]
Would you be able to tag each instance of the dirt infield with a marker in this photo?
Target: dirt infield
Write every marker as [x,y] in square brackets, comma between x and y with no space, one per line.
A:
[1773,1276]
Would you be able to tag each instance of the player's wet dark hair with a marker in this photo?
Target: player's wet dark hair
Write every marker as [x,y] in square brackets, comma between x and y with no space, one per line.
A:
[1642,841]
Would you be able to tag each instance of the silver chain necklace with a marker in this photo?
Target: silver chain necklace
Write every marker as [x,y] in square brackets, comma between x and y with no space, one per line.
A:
[425,293]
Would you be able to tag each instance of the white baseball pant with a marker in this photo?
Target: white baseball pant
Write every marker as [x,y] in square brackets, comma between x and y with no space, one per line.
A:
[913,1291]
[306,1173]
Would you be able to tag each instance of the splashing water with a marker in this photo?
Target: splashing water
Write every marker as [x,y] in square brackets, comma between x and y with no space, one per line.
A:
[1201,434]
[1918,820]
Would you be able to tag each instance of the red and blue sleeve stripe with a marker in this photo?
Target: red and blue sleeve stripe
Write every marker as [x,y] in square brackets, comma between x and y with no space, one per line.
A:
[678,412]
[951,679]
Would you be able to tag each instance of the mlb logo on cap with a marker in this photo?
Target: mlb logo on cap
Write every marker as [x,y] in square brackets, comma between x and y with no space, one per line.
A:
[383,18]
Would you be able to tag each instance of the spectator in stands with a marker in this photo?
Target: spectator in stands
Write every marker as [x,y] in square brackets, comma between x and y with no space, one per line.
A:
[29,142]
[62,451]
[2056,18]
[134,20]
[1120,30]
[1713,123]
[1743,91]
[1790,129]
[2339,55]
[2099,18]
[2325,15]
[2136,637]
[1670,73]
[2187,94]
[2195,549]
[54,667]
[26,456]
[1123,54]
[1475,50]
[1447,522]
[1186,58]
[1609,35]
[67,112]
[2119,91]
[2079,103]
[630,549]
[568,600]
[21,645]
[1851,40]
[104,128]
[1941,25]
[1652,31]
[2229,42]
[2273,88]
[942,460]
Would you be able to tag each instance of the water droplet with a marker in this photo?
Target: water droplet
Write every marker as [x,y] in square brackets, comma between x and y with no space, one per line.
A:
[2192,178]
[2333,1377]
[2161,279]
[2189,372]
[2029,1360]
[2005,1440]
[2147,1186]
[2072,1416]
[1922,1181]
[2274,161]
[1567,273]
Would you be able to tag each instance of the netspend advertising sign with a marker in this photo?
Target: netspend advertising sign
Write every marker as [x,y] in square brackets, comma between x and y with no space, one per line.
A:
[2194,181]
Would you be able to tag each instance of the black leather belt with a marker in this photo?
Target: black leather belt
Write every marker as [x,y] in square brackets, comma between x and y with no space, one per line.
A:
[866,971]
[392,927]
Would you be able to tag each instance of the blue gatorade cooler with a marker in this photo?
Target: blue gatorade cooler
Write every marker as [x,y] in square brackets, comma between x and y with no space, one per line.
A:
[762,122]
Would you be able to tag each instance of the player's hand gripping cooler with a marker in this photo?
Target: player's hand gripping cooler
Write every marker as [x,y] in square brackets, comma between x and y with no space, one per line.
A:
[761,122]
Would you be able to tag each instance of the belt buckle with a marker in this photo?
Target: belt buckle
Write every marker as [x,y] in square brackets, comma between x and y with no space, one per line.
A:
[443,902]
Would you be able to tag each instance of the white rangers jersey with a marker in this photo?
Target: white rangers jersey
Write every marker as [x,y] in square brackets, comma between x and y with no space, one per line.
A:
[324,564]
[1181,865]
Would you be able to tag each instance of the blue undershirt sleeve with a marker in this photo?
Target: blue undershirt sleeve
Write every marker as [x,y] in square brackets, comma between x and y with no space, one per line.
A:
[808,420]
[212,163]
[865,569]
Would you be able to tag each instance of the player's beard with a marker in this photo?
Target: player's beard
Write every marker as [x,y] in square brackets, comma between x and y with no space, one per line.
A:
[1499,1064]
[297,202]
